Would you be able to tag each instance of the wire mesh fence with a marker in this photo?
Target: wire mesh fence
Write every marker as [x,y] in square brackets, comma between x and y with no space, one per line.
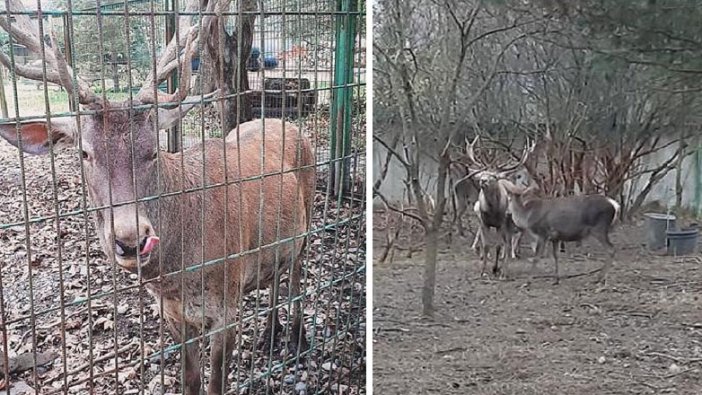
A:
[182,204]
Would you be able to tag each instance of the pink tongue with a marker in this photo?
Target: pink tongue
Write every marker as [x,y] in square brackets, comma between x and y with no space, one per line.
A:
[150,244]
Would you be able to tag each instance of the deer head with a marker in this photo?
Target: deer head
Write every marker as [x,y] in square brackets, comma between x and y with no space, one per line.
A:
[118,141]
[488,170]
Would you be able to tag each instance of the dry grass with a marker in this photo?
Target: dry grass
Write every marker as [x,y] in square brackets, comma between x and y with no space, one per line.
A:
[32,98]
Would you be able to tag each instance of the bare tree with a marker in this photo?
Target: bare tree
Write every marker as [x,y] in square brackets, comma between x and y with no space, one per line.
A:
[438,70]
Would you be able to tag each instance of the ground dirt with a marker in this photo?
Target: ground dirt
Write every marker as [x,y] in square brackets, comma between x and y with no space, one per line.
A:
[640,334]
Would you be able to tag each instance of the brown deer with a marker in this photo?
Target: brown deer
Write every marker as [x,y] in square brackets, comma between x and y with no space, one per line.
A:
[569,218]
[492,206]
[463,191]
[241,204]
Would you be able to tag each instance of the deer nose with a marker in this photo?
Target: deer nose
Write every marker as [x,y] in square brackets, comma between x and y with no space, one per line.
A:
[125,250]
[146,245]
[129,240]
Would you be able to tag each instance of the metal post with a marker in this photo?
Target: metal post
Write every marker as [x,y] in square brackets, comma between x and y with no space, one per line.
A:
[172,81]
[342,96]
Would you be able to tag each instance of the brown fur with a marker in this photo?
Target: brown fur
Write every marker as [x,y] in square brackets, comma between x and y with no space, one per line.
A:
[191,223]
[285,214]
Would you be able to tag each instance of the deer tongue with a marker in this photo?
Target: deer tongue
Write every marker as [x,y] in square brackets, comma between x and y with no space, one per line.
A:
[151,242]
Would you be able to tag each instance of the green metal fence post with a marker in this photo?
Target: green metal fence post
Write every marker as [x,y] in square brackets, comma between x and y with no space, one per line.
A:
[342,96]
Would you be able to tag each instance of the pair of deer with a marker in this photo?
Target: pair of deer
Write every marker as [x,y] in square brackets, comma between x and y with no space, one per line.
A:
[511,209]
[254,189]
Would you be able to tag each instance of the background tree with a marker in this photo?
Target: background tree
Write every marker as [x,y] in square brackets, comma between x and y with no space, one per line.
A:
[600,85]
[434,62]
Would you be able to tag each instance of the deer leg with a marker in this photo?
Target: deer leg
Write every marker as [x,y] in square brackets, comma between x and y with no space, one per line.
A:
[192,383]
[537,245]
[459,224]
[458,215]
[484,260]
[483,254]
[269,337]
[506,234]
[496,267]
[554,251]
[220,357]
[516,238]
[298,337]
[603,238]
[478,237]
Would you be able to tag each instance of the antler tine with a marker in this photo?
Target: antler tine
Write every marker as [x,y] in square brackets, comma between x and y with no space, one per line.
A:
[85,94]
[188,38]
[470,153]
[146,93]
[528,149]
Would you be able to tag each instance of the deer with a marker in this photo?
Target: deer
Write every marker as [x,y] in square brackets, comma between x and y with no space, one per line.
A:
[256,212]
[560,219]
[463,191]
[492,206]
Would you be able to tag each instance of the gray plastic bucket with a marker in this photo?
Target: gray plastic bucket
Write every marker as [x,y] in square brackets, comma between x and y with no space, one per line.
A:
[682,242]
[657,225]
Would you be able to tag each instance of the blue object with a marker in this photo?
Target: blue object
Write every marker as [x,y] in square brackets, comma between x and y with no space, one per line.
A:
[270,62]
[254,64]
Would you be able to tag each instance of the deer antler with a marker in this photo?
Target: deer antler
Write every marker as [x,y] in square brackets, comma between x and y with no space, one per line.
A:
[528,149]
[470,154]
[24,32]
[165,66]
[188,38]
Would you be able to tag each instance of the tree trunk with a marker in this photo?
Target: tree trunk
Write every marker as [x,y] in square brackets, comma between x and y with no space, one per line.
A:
[430,256]
[206,75]
[115,71]
[678,173]
[227,65]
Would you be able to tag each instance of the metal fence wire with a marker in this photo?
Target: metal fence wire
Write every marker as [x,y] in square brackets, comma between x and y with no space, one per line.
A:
[182,203]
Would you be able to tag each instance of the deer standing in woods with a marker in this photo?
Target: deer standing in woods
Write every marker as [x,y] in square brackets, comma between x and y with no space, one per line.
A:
[492,205]
[219,181]
[463,191]
[570,218]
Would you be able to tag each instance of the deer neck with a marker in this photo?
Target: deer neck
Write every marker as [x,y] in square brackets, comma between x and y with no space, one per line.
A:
[519,212]
[492,198]
[176,216]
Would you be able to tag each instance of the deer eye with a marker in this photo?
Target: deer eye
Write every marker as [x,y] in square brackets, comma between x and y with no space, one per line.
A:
[85,155]
[154,156]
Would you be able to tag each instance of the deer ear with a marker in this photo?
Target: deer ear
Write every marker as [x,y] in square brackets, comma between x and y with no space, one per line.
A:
[36,137]
[510,187]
